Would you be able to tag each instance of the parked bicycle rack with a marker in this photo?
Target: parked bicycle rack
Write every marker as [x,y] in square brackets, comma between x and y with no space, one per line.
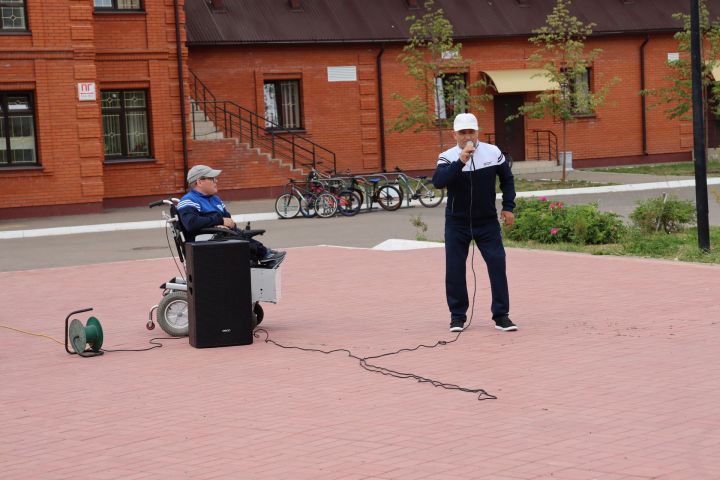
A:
[324,195]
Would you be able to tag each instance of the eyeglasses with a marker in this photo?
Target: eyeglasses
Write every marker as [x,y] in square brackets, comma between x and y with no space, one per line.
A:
[214,179]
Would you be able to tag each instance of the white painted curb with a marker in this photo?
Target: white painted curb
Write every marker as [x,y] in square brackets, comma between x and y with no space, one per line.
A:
[392,244]
[114,227]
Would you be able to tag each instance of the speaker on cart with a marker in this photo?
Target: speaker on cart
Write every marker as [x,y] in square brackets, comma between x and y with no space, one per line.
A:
[219,293]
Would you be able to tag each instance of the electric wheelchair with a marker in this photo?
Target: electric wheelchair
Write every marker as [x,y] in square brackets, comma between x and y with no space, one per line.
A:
[171,313]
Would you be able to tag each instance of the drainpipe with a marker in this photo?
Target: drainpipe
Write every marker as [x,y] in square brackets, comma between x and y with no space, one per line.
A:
[181,84]
[381,111]
[642,97]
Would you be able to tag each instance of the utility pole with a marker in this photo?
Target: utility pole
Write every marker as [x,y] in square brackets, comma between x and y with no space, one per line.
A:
[699,150]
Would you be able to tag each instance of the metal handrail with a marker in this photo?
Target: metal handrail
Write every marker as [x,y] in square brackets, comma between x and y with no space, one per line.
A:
[546,142]
[235,121]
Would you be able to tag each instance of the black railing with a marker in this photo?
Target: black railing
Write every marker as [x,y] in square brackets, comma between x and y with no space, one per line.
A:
[544,146]
[234,121]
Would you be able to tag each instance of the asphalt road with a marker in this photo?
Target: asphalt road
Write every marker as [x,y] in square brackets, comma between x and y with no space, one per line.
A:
[364,230]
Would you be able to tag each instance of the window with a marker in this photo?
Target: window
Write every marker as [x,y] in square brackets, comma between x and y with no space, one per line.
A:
[449,95]
[108,5]
[282,104]
[17,130]
[12,16]
[580,93]
[125,124]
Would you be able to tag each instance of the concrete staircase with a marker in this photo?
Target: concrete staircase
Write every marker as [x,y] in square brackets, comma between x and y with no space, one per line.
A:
[201,126]
[244,168]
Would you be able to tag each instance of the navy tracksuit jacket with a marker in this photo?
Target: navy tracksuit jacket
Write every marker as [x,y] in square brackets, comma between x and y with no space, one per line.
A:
[471,214]
[198,211]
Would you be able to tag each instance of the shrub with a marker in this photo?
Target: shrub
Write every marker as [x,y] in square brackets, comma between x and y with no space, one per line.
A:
[669,213]
[552,222]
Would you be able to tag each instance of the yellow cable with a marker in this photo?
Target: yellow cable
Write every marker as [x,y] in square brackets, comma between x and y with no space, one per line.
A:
[30,333]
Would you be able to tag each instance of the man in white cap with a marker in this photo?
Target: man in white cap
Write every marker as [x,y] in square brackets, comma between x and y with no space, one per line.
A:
[202,208]
[468,171]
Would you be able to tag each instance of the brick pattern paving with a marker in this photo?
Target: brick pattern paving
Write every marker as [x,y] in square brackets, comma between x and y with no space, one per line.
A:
[612,375]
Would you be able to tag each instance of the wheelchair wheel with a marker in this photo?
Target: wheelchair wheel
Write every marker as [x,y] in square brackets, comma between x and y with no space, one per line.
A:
[258,313]
[172,314]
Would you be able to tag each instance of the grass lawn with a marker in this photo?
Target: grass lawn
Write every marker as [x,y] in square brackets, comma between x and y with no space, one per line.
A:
[523,185]
[681,168]
[679,246]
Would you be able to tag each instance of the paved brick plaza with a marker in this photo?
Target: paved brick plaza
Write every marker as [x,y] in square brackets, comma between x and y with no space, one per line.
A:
[613,374]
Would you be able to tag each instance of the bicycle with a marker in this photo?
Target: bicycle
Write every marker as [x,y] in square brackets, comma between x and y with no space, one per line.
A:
[335,197]
[419,188]
[387,196]
[296,200]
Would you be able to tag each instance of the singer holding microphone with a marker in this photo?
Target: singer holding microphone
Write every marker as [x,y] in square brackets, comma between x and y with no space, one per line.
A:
[468,171]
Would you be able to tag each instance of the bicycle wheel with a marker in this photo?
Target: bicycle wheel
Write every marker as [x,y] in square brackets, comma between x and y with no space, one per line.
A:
[287,206]
[349,203]
[360,193]
[326,205]
[389,198]
[307,205]
[430,196]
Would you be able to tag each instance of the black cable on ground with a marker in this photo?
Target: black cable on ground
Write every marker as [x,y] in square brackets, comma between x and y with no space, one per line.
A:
[363,361]
[152,341]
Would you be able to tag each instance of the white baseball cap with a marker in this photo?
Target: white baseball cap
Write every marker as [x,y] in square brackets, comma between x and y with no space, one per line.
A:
[465,121]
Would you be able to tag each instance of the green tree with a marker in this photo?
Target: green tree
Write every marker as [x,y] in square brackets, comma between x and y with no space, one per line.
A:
[562,55]
[677,96]
[433,60]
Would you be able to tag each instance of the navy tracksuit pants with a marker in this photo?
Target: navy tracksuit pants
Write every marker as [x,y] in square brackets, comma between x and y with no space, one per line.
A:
[488,238]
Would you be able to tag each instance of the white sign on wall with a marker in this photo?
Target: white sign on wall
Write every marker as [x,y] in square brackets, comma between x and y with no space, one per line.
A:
[86,91]
[342,74]
[673,56]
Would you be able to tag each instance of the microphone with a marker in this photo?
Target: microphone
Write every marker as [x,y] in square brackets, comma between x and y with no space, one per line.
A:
[471,153]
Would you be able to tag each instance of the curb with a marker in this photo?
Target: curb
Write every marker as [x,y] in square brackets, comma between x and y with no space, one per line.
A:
[257,217]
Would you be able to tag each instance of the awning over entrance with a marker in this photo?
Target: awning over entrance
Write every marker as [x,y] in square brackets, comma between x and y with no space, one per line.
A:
[522,80]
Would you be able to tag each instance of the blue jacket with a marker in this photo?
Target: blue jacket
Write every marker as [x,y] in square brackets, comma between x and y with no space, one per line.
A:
[198,211]
[477,176]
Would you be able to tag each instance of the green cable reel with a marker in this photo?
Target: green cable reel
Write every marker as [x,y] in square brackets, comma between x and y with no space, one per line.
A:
[82,336]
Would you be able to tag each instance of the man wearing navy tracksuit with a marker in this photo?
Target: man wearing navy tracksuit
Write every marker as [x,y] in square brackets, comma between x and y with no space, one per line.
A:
[201,208]
[468,171]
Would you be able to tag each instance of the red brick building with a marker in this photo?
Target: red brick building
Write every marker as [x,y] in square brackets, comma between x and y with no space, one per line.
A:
[91,110]
[339,58]
[89,103]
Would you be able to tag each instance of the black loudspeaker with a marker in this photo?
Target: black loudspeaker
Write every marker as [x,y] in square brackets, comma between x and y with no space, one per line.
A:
[219,293]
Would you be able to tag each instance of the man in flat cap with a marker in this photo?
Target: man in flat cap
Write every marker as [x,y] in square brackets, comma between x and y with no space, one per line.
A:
[202,208]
